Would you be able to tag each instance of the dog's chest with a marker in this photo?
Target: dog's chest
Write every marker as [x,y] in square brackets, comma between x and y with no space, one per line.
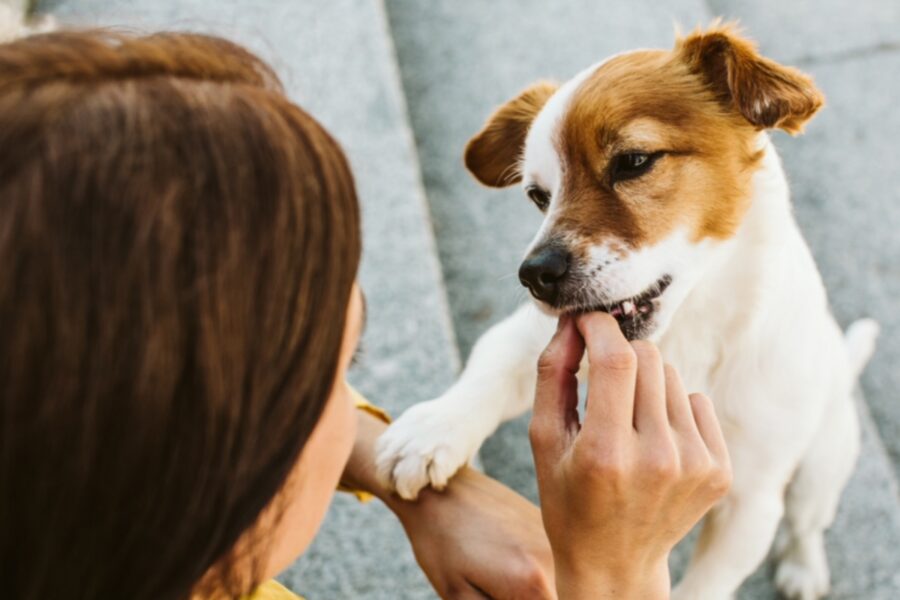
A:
[694,345]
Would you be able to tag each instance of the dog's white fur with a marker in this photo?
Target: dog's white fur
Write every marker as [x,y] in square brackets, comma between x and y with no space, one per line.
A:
[745,321]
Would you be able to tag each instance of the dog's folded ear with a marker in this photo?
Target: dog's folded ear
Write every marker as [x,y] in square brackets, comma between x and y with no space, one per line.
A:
[493,155]
[767,94]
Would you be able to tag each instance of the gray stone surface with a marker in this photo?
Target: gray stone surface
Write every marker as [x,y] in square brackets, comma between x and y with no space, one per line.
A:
[821,30]
[460,60]
[337,61]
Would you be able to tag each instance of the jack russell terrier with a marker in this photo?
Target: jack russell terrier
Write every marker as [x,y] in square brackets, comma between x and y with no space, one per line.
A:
[665,205]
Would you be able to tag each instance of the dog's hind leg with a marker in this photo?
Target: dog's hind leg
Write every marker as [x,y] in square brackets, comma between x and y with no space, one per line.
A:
[734,540]
[815,490]
[811,502]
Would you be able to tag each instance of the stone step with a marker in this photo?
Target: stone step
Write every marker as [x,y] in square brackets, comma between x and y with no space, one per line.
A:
[460,60]
[337,60]
[816,30]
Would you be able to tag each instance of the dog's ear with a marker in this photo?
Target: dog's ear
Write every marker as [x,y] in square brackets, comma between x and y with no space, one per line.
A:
[493,155]
[767,94]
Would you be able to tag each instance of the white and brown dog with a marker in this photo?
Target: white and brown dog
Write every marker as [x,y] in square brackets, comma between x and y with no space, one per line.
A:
[666,205]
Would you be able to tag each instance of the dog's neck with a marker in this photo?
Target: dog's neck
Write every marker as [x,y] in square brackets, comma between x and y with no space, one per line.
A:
[736,291]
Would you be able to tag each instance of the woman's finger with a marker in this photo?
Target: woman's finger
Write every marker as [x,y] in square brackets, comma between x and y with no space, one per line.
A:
[611,382]
[650,389]
[678,406]
[556,397]
[709,428]
[472,592]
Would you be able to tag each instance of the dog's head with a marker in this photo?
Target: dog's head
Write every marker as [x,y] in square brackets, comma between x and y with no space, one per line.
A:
[642,167]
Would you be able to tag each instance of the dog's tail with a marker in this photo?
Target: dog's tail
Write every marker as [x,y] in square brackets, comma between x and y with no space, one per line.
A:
[860,339]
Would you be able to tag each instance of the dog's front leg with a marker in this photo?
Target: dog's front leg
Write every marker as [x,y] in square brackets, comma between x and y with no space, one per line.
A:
[737,533]
[433,439]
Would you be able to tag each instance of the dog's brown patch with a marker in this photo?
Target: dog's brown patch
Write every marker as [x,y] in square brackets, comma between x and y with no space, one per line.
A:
[492,156]
[702,106]
[651,102]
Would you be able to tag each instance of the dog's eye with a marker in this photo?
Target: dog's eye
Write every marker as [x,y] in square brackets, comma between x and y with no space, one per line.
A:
[632,164]
[539,196]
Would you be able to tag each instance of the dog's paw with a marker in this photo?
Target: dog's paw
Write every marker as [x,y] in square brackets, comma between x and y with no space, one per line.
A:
[802,577]
[427,445]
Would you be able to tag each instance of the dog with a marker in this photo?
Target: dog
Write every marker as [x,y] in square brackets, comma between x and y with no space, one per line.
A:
[665,205]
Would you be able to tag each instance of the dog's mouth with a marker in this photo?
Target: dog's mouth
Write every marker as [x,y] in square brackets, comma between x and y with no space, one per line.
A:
[634,314]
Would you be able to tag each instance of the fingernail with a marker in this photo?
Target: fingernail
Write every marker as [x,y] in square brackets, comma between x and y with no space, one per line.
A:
[563,319]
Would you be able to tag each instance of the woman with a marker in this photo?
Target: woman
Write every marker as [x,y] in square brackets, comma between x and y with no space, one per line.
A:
[178,311]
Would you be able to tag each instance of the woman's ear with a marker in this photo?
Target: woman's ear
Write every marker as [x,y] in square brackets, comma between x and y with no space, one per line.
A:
[493,155]
[767,94]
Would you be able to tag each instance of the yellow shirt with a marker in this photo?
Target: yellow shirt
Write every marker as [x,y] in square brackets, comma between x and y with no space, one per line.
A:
[272,590]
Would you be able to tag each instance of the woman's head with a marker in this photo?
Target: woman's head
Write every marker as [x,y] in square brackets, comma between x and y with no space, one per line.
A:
[179,246]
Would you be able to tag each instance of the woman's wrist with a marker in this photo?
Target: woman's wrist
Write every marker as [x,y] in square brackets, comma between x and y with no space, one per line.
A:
[359,474]
[622,582]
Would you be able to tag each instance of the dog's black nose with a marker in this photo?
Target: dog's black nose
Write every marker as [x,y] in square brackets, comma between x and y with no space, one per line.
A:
[543,271]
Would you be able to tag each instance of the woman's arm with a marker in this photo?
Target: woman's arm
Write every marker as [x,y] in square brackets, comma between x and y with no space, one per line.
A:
[359,474]
[475,539]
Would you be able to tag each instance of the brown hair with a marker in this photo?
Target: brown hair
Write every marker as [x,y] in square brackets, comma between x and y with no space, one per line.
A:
[178,245]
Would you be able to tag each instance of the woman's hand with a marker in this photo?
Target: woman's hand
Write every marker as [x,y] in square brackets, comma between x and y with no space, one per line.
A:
[479,539]
[619,490]
[476,539]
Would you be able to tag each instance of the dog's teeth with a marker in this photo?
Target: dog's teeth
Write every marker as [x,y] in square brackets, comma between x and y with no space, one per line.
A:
[628,307]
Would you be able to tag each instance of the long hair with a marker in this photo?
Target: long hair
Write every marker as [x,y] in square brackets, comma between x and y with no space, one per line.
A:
[178,245]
